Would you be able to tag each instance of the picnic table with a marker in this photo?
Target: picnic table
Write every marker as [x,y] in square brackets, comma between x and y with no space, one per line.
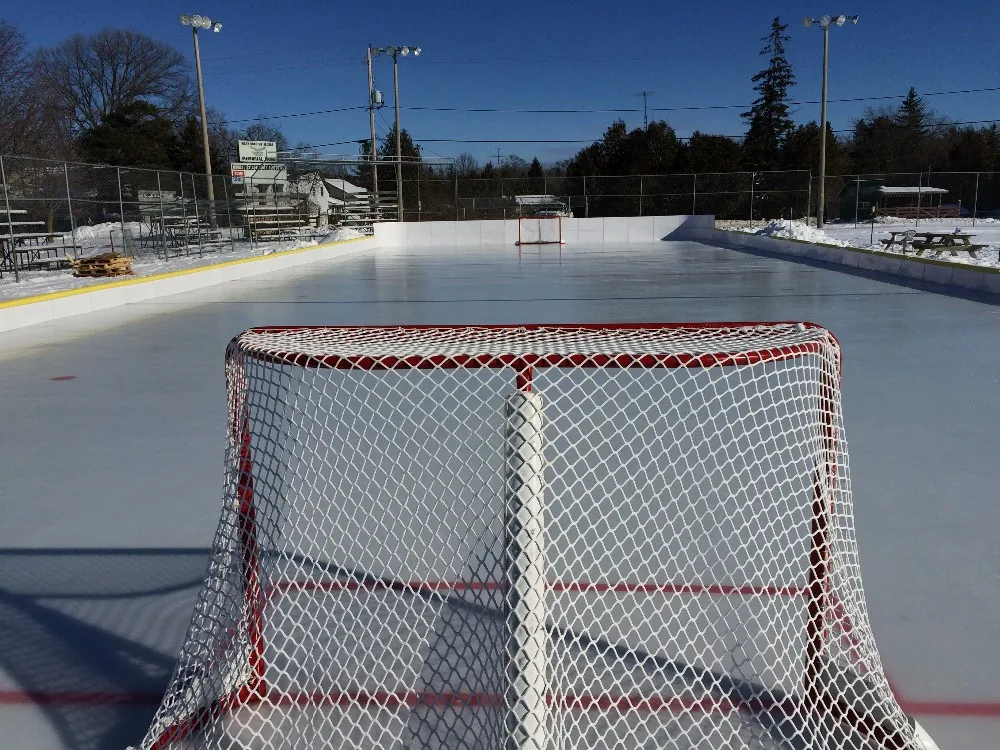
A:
[935,241]
[940,241]
[903,238]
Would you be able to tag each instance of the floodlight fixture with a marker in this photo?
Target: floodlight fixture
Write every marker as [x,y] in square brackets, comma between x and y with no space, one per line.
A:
[216,27]
[807,22]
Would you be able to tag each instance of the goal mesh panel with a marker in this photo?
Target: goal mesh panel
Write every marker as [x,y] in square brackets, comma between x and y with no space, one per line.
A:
[539,231]
[533,537]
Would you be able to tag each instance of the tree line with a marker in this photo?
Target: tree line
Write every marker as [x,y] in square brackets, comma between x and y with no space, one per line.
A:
[120,97]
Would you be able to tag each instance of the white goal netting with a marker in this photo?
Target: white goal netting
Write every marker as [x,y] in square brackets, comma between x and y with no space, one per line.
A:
[539,230]
[531,538]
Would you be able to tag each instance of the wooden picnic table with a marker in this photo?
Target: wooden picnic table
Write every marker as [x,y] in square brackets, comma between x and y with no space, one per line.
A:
[904,238]
[951,241]
[936,241]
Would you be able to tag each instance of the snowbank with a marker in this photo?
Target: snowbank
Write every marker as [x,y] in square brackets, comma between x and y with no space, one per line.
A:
[796,230]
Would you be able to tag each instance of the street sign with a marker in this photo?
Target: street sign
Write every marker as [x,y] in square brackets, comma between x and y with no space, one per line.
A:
[272,173]
[258,151]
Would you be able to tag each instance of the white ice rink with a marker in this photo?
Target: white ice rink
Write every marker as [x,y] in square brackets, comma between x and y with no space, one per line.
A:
[112,429]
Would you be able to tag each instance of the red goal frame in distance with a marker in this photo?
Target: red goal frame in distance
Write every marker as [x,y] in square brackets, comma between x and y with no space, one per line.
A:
[818,593]
[539,241]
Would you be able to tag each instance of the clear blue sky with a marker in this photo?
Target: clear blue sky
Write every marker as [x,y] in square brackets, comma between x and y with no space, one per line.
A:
[283,58]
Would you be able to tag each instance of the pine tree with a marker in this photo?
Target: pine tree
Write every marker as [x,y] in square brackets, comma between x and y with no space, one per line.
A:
[912,118]
[769,123]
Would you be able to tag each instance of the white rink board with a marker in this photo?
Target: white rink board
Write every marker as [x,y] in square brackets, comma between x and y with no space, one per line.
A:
[128,454]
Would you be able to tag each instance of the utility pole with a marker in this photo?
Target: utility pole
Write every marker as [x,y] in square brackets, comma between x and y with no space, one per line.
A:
[203,22]
[371,122]
[393,52]
[824,23]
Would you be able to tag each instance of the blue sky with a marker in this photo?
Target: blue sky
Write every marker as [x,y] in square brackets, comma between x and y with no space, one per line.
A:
[283,58]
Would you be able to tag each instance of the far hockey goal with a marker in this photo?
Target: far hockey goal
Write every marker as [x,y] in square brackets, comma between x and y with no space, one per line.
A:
[533,538]
[539,230]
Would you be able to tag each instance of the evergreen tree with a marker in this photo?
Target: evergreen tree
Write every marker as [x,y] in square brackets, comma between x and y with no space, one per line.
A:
[711,153]
[410,153]
[768,120]
[134,135]
[913,118]
[535,169]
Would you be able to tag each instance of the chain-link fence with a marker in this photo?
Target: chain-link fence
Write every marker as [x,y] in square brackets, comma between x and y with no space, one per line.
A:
[52,212]
[741,196]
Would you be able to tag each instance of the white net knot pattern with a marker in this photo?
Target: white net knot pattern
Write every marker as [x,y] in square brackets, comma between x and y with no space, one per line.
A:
[533,538]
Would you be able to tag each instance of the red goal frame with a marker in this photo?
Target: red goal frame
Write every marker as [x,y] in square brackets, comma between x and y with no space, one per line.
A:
[820,599]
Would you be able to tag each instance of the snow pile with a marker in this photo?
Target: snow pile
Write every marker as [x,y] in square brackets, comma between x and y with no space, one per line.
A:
[797,230]
[88,234]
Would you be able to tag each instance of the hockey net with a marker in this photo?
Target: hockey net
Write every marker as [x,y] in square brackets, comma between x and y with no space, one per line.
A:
[533,537]
[546,230]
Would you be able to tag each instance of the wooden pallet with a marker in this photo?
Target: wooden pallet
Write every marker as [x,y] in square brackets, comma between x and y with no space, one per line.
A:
[105,264]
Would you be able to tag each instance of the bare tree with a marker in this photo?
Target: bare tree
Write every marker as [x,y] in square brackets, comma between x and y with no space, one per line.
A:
[466,165]
[262,131]
[18,110]
[89,77]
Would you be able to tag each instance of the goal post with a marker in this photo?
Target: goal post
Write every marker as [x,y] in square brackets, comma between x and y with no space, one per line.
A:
[540,230]
[533,537]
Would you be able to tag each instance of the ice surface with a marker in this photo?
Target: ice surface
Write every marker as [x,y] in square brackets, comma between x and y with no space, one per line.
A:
[128,455]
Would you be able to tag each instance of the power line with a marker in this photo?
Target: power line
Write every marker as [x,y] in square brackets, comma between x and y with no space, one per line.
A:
[296,114]
[594,140]
[610,110]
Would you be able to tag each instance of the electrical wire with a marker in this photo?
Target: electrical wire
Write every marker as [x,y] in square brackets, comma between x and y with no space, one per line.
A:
[616,110]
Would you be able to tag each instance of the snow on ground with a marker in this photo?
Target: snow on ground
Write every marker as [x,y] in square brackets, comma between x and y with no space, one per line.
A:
[865,236]
[97,239]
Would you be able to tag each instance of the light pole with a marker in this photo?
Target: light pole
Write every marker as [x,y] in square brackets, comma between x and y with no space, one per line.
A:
[395,52]
[203,22]
[824,23]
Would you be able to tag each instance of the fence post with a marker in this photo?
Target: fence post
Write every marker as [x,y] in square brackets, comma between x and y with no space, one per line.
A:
[586,200]
[752,176]
[455,170]
[69,204]
[809,195]
[121,209]
[857,200]
[197,215]
[184,214]
[229,216]
[920,186]
[11,255]
[694,193]
[163,226]
[975,200]
[640,195]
